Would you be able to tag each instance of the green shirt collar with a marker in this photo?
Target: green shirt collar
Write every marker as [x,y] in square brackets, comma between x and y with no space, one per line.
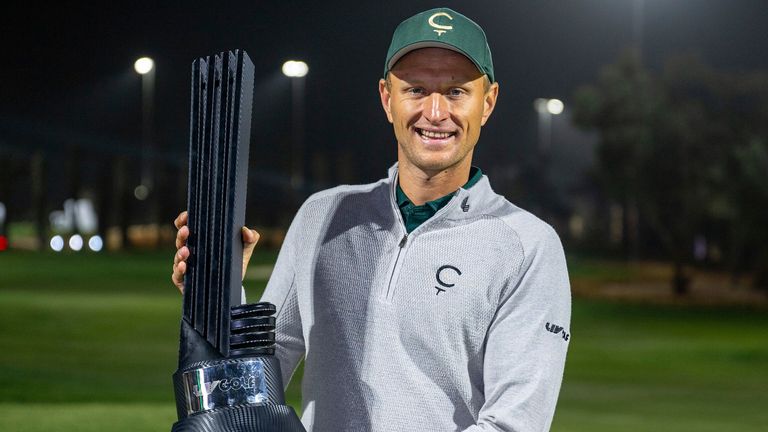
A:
[414,215]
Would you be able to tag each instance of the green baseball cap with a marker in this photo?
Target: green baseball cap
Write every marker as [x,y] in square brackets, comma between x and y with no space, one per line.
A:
[441,28]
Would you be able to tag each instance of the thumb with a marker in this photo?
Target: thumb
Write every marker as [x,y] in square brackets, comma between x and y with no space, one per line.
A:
[250,238]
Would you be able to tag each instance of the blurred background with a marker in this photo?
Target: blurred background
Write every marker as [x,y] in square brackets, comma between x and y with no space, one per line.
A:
[637,128]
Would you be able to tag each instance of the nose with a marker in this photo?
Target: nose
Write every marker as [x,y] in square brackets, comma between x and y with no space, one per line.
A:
[436,108]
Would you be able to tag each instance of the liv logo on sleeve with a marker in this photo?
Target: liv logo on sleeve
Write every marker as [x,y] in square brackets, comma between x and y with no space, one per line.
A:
[556,329]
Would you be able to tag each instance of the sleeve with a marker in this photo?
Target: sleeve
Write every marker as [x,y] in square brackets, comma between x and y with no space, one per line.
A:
[281,291]
[526,343]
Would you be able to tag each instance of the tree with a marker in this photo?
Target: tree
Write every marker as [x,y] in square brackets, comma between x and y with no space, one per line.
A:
[681,147]
[620,105]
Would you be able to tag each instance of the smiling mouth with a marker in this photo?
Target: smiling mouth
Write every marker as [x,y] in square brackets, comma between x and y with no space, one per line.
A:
[432,135]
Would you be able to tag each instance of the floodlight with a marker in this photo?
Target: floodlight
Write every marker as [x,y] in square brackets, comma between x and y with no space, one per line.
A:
[144,65]
[295,68]
[555,106]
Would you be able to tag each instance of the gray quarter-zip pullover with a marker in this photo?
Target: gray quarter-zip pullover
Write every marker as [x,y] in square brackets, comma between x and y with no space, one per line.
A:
[462,324]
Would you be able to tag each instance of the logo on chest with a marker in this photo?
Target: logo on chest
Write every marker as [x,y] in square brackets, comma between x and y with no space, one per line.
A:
[446,277]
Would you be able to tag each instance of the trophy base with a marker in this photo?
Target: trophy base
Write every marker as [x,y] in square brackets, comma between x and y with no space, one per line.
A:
[266,418]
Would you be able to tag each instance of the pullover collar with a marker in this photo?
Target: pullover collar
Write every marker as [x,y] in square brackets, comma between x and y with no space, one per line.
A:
[474,198]
[415,215]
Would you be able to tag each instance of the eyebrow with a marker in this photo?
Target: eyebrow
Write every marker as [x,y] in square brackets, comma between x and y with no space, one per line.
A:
[422,81]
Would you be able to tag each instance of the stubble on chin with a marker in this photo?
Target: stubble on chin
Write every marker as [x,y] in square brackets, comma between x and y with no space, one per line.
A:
[431,165]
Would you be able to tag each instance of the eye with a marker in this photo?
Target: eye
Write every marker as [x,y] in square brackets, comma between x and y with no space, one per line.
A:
[415,91]
[456,92]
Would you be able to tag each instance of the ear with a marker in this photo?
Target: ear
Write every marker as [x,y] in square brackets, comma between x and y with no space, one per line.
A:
[489,102]
[386,98]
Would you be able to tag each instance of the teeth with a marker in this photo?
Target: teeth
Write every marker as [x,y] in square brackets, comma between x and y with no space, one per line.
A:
[436,135]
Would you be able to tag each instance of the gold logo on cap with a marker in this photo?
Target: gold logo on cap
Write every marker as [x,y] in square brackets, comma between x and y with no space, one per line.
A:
[440,28]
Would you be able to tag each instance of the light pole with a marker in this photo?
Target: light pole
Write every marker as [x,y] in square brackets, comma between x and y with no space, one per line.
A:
[145,67]
[638,22]
[297,70]
[546,108]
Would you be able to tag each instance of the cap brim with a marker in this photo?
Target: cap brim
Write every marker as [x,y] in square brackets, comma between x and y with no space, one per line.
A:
[428,44]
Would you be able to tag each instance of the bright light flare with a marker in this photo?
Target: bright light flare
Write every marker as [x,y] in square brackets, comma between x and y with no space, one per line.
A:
[555,106]
[141,192]
[76,242]
[95,243]
[548,106]
[144,65]
[295,68]
[57,243]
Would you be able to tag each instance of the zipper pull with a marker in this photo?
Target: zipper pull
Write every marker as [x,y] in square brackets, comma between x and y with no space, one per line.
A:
[403,241]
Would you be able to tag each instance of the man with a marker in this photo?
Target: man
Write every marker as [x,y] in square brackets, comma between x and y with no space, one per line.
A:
[424,301]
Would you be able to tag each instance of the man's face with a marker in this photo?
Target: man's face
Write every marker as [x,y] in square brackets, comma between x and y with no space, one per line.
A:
[436,100]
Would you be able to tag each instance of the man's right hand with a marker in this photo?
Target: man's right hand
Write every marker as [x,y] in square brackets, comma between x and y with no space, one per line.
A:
[250,238]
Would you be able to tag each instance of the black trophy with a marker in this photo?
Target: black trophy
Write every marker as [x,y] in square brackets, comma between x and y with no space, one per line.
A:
[228,378]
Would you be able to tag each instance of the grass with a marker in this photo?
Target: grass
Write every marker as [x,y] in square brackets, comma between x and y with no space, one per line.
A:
[664,369]
[89,342]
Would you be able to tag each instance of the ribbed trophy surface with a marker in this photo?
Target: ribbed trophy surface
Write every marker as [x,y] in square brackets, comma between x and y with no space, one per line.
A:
[228,379]
[220,128]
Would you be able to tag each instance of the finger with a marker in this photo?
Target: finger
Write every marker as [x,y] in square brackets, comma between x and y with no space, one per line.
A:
[181,219]
[181,255]
[179,269]
[181,237]
[250,237]
[178,276]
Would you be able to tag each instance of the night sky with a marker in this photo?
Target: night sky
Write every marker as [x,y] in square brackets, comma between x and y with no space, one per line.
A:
[68,76]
